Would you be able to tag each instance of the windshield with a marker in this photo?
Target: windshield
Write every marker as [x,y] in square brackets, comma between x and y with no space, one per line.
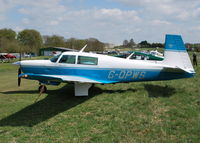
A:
[54,59]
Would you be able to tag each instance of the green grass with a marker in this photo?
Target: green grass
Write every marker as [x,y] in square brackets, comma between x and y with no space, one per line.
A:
[164,111]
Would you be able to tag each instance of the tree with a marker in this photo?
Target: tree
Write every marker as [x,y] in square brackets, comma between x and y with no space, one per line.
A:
[125,43]
[55,40]
[94,45]
[145,44]
[31,39]
[160,45]
[80,44]
[131,43]
[7,34]
[75,43]
[71,43]
[9,46]
[8,42]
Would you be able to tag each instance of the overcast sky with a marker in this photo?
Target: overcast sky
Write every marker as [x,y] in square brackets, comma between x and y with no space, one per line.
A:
[107,20]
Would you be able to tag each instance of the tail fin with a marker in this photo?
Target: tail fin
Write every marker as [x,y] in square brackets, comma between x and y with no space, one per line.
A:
[176,54]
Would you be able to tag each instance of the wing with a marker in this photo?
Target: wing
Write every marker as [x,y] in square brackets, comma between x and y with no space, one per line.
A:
[57,78]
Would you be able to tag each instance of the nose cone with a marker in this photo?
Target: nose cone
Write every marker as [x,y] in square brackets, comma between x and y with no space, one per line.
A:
[17,63]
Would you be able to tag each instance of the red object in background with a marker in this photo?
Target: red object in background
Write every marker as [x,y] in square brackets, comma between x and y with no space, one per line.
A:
[9,56]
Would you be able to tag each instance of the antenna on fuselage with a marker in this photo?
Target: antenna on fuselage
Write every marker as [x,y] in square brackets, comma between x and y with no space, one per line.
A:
[83,48]
[130,55]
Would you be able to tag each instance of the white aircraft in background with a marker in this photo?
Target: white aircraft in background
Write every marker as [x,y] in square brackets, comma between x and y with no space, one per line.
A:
[85,69]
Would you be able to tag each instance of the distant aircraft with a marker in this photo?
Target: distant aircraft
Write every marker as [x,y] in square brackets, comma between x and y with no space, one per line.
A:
[84,69]
[152,55]
[157,54]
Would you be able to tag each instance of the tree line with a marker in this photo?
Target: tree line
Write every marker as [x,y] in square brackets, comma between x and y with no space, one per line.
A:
[31,41]
[143,44]
[193,47]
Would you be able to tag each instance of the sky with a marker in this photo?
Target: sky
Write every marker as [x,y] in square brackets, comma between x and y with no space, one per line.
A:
[107,20]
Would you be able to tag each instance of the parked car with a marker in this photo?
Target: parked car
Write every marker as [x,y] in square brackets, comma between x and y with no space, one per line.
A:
[10,56]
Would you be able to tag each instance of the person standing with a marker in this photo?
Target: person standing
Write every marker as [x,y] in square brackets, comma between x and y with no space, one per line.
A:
[194,59]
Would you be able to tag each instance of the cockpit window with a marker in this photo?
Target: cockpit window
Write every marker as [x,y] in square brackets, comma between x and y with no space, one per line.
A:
[87,60]
[54,59]
[68,59]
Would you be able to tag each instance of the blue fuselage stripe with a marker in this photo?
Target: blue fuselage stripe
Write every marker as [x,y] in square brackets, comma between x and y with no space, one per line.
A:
[107,75]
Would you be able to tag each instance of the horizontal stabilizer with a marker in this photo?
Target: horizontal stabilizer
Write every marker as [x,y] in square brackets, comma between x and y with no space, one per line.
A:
[177,69]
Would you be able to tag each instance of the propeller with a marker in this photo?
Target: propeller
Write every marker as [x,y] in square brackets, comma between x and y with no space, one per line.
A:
[19,78]
[19,70]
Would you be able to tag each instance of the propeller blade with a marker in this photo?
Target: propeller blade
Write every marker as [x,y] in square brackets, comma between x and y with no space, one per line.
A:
[19,71]
[19,81]
[19,78]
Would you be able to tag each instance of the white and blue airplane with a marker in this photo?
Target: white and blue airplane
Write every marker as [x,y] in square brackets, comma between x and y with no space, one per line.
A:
[85,69]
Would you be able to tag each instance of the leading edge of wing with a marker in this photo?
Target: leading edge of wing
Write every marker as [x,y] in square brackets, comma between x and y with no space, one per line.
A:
[58,78]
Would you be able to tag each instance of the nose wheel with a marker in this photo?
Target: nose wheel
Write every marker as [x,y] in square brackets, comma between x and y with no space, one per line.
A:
[42,89]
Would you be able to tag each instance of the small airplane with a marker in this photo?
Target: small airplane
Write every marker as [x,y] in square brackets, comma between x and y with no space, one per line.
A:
[85,69]
[152,55]
[155,54]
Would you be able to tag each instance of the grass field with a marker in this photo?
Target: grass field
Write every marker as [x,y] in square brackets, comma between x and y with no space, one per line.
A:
[157,112]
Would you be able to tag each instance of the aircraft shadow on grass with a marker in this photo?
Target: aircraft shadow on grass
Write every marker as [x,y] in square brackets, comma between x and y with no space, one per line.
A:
[57,101]
[159,91]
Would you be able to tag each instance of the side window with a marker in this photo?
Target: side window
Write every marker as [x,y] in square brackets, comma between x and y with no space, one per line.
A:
[54,59]
[68,59]
[87,60]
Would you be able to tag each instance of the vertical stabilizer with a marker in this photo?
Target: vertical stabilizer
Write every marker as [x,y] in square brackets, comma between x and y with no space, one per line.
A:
[176,54]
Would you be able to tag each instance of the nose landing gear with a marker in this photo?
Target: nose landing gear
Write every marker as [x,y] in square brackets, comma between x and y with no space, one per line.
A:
[42,89]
